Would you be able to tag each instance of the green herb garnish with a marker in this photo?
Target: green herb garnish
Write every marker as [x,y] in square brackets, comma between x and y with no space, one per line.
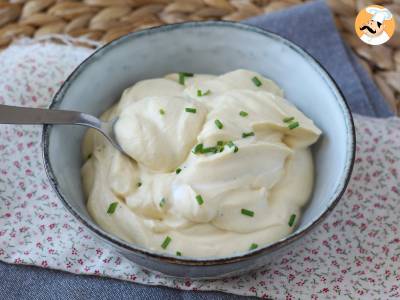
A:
[162,202]
[231,144]
[200,93]
[247,134]
[178,253]
[247,212]
[219,124]
[293,125]
[291,220]
[182,76]
[111,209]
[190,110]
[198,149]
[243,114]
[89,156]
[253,246]
[199,199]
[166,242]
[220,146]
[209,150]
[162,112]
[256,81]
[288,119]
[139,184]
[177,171]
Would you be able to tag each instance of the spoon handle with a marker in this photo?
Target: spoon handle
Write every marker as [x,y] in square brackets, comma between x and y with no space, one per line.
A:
[26,115]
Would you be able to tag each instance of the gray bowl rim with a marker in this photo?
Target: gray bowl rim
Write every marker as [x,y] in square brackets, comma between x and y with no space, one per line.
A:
[190,261]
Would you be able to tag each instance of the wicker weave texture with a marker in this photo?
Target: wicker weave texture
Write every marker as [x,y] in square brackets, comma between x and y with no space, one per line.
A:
[105,20]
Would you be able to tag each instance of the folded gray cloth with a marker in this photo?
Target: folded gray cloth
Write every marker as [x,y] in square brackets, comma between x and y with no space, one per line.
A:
[311,26]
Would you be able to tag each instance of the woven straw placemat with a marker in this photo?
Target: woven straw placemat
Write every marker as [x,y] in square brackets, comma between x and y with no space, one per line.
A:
[105,20]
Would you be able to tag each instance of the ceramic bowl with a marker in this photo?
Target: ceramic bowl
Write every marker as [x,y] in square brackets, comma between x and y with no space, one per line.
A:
[215,48]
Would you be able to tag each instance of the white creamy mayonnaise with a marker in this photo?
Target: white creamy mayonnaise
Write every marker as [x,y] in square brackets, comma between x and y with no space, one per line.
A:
[215,165]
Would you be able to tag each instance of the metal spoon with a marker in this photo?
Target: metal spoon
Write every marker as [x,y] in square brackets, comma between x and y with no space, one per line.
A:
[25,115]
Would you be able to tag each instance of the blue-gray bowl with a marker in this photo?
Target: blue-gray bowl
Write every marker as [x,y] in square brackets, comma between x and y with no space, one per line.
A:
[204,47]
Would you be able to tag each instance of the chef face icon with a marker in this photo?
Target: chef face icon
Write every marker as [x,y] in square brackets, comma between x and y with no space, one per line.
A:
[373,28]
[375,25]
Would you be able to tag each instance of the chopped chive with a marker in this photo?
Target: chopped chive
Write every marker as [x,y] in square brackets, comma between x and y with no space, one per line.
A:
[89,156]
[247,212]
[187,74]
[291,220]
[231,144]
[166,242]
[288,119]
[182,76]
[209,150]
[177,171]
[293,125]
[111,209]
[178,253]
[139,184]
[162,202]
[200,93]
[256,81]
[190,110]
[198,149]
[199,199]
[253,246]
[219,124]
[181,79]
[220,146]
[243,114]
[247,134]
[162,112]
